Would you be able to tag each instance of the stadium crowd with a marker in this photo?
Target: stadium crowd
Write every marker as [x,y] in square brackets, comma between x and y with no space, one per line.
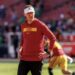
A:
[10,28]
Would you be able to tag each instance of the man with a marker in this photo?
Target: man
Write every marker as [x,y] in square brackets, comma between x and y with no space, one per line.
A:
[33,31]
[59,58]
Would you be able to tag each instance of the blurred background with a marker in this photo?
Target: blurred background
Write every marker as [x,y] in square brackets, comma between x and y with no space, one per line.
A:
[59,16]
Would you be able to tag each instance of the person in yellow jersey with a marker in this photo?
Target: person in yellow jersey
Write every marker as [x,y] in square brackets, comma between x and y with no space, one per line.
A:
[58,57]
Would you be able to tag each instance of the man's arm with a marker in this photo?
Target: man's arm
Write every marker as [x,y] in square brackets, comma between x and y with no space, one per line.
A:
[20,44]
[69,58]
[47,32]
[20,47]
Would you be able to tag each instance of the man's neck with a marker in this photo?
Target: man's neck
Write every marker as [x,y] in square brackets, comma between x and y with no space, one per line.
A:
[30,21]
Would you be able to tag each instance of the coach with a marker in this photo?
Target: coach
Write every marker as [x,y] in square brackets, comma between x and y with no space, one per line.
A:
[33,32]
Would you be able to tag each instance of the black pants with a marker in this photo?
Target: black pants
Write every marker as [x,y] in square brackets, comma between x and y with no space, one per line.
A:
[25,66]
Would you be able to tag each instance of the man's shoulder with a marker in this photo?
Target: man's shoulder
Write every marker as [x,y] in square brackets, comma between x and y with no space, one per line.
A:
[23,24]
[39,21]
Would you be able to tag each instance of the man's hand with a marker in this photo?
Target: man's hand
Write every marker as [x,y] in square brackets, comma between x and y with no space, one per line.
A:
[19,51]
[43,55]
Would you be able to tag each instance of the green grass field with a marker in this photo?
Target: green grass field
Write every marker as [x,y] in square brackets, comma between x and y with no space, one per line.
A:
[10,68]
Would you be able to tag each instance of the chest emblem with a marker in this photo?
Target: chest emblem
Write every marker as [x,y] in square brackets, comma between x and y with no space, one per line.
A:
[30,29]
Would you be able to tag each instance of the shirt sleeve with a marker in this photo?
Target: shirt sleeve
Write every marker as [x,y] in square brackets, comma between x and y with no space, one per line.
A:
[21,39]
[47,32]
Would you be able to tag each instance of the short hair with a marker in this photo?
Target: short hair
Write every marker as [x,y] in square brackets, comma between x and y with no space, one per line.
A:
[28,6]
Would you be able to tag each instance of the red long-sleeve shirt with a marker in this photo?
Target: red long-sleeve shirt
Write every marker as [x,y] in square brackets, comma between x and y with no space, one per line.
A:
[32,40]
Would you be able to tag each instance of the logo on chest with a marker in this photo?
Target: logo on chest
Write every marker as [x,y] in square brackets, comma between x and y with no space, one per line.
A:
[30,29]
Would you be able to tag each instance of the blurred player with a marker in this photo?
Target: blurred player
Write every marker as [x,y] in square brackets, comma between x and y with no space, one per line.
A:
[58,57]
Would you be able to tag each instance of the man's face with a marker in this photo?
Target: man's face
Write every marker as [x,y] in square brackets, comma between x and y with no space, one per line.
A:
[29,16]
